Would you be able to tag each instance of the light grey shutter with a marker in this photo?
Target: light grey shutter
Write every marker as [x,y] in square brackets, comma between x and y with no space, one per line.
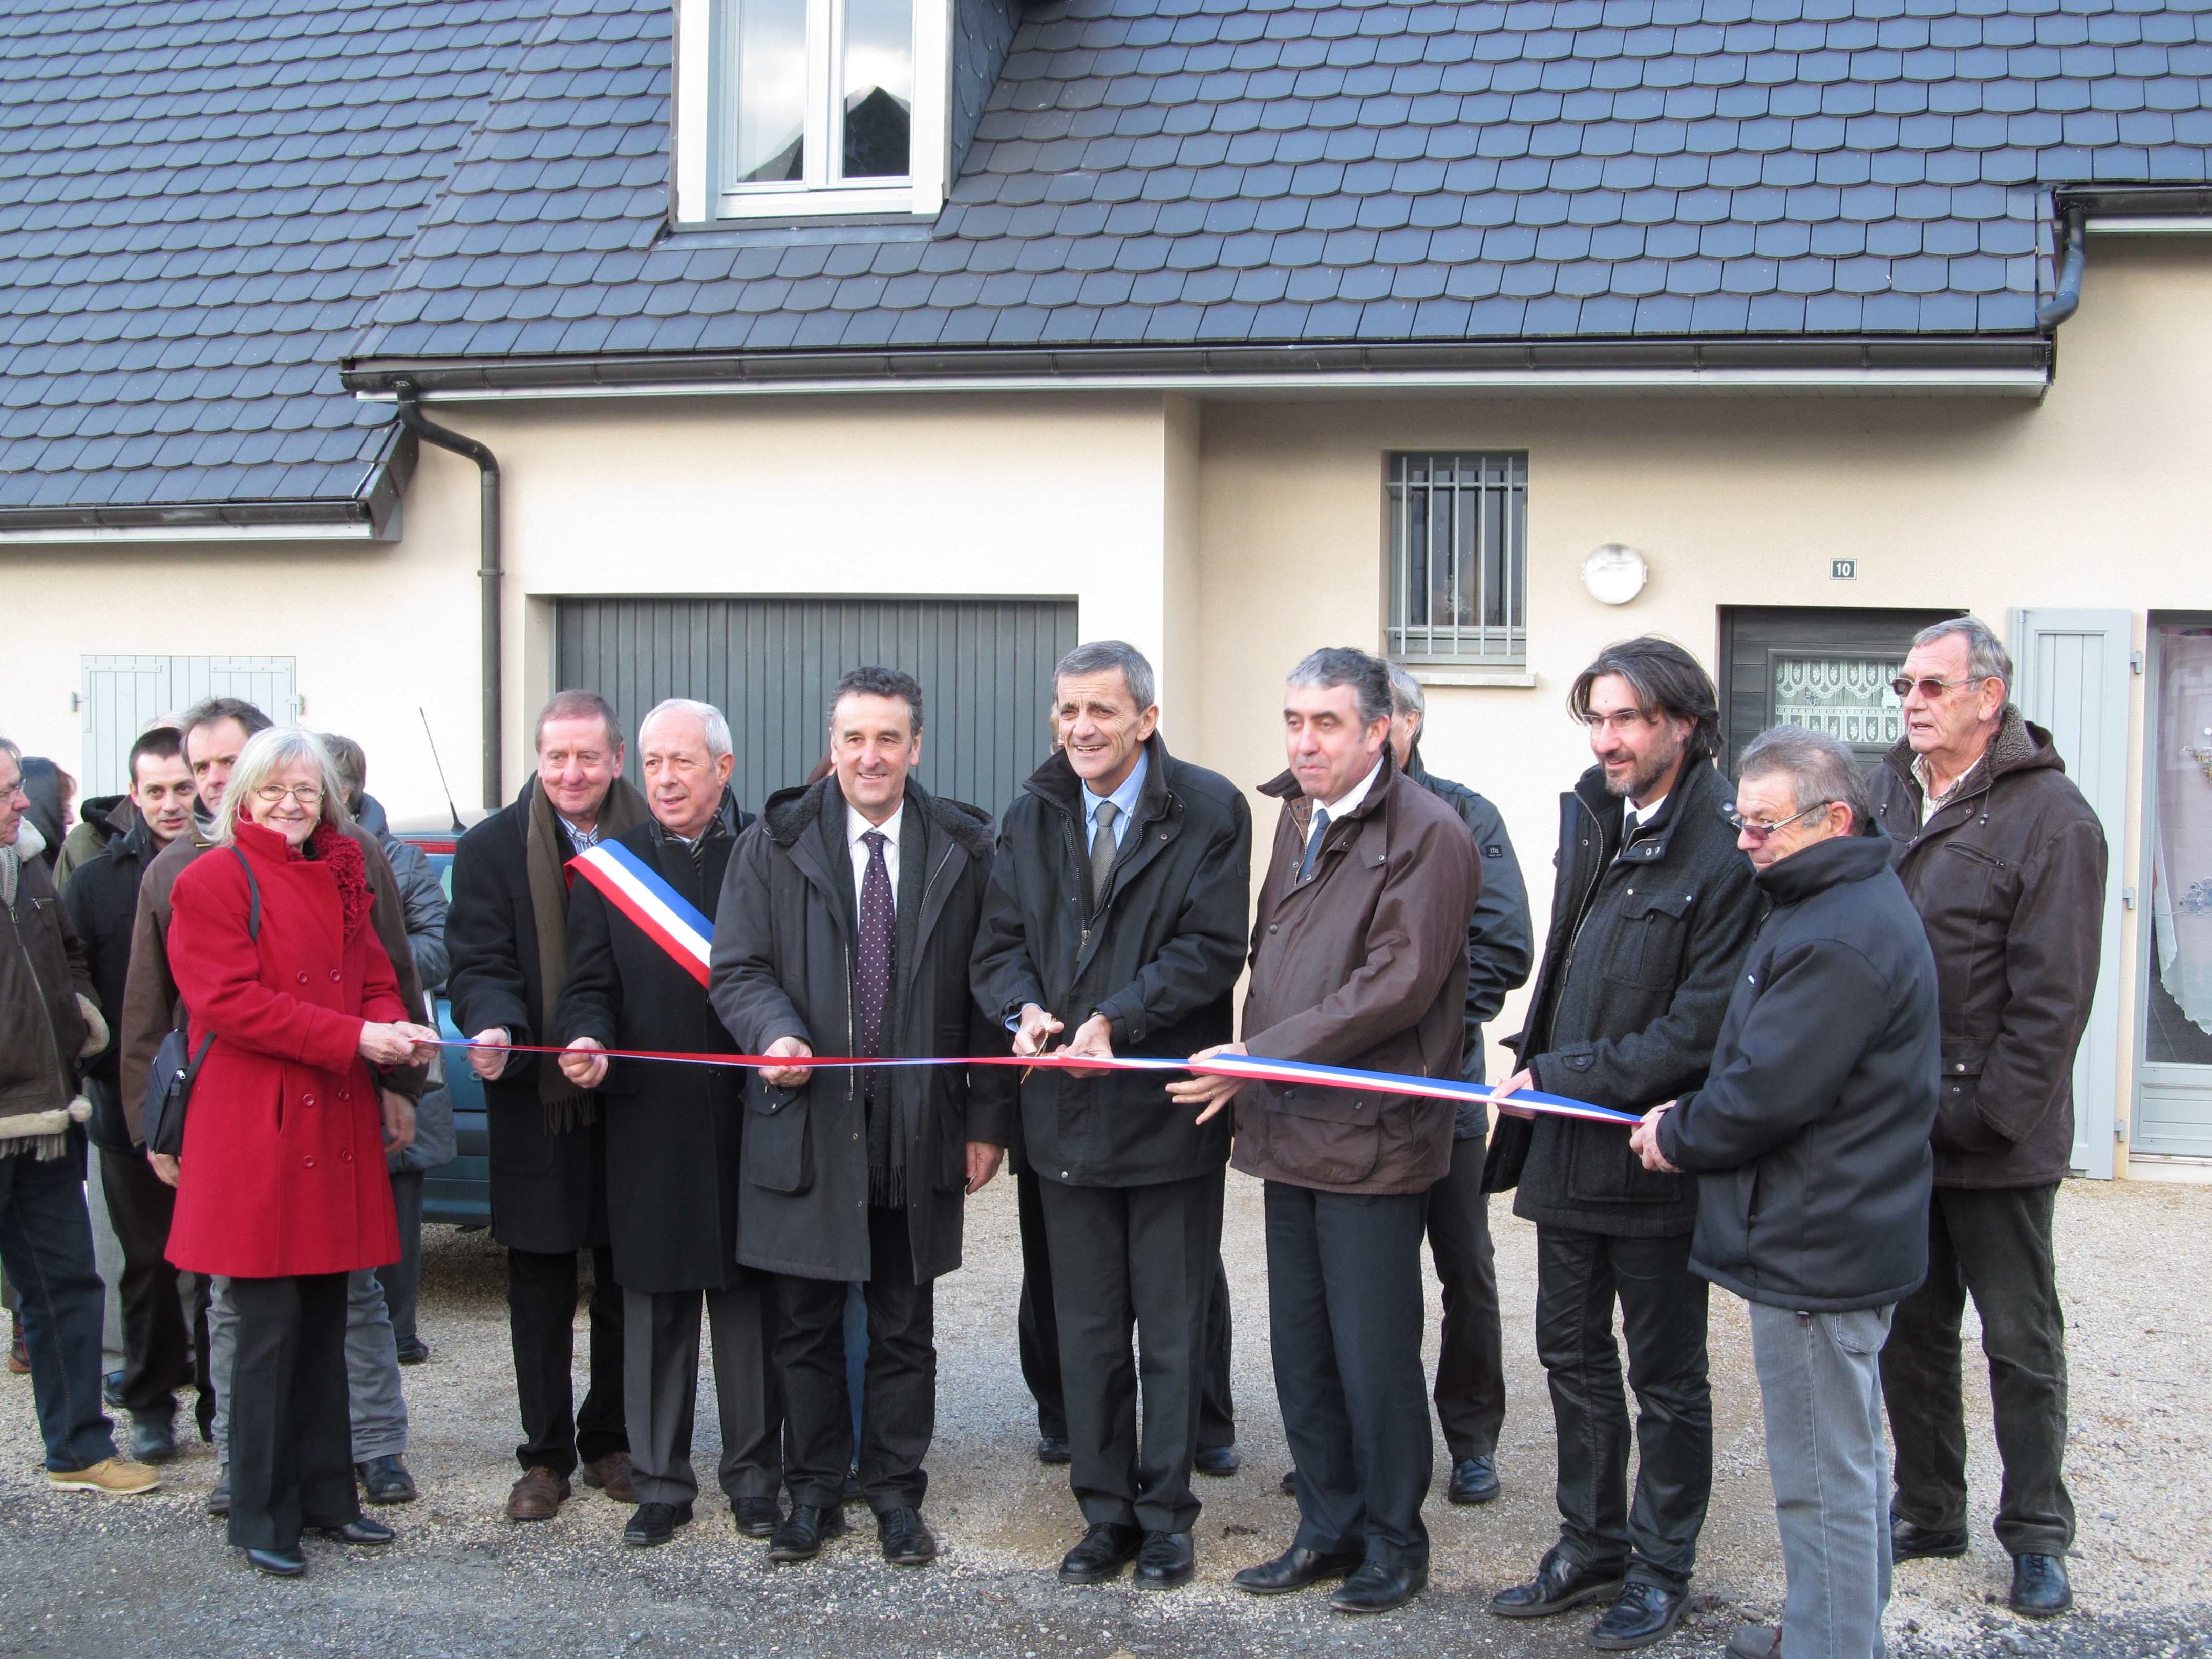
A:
[2073,668]
[122,694]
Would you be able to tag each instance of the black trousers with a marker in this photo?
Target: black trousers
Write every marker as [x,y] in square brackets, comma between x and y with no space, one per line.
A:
[541,1316]
[1038,1326]
[1140,1258]
[1344,1300]
[402,1280]
[1995,1246]
[291,1435]
[159,1356]
[660,1389]
[899,1405]
[1470,1392]
[1579,1277]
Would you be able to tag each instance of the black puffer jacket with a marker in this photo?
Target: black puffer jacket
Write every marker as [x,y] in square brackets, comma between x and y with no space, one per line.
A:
[1810,1138]
[1159,959]
[2008,877]
[1500,938]
[1645,943]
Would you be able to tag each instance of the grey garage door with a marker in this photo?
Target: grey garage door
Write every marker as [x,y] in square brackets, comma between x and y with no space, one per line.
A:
[984,667]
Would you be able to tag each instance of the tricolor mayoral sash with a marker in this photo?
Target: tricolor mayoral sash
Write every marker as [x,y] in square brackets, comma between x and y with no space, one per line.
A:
[640,892]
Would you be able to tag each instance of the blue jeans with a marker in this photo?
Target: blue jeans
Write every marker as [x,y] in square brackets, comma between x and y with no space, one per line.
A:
[45,1245]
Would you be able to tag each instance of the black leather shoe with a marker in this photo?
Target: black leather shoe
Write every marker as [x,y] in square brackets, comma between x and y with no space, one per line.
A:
[1288,1485]
[906,1540]
[1107,1547]
[385,1480]
[111,1389]
[2039,1589]
[218,1498]
[1473,1480]
[1165,1561]
[278,1564]
[655,1523]
[1219,1462]
[1646,1612]
[414,1350]
[803,1532]
[1295,1568]
[1053,1449]
[1560,1584]
[152,1441]
[1909,1543]
[756,1518]
[363,1531]
[1378,1588]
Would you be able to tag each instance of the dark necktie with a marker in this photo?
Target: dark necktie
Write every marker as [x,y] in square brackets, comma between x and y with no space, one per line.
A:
[1101,851]
[878,940]
[1313,842]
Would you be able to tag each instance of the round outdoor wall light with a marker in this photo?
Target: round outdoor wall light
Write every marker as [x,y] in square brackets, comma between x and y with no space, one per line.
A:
[1614,574]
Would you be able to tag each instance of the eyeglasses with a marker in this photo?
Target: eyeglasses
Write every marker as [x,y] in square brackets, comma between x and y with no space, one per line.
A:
[1932,691]
[307,794]
[1622,720]
[1757,831]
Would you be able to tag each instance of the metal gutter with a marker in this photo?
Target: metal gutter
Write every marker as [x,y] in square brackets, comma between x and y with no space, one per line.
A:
[2068,299]
[2012,366]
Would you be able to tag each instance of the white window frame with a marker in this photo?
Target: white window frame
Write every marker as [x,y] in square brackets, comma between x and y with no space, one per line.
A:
[701,197]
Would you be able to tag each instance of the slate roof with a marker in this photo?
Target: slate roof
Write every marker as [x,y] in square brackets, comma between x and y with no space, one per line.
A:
[198,201]
[1153,172]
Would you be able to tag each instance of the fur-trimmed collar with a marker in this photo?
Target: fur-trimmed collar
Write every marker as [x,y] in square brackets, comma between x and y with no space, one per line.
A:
[790,812]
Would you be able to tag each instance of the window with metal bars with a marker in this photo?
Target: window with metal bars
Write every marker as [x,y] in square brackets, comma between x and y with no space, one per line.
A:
[1459,558]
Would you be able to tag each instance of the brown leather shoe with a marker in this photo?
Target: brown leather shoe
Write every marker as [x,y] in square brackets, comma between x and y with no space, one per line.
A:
[537,1496]
[610,1474]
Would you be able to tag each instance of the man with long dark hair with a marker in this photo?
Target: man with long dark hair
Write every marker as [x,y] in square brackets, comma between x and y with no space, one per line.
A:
[1652,910]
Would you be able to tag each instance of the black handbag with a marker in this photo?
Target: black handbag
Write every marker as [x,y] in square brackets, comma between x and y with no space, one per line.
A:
[177,1064]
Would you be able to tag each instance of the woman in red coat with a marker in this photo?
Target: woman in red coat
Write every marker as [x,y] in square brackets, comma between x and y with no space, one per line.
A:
[281,1185]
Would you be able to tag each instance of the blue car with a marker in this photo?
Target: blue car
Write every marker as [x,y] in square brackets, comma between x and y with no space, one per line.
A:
[460,1193]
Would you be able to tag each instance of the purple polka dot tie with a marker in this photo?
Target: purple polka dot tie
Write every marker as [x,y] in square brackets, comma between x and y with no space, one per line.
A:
[878,940]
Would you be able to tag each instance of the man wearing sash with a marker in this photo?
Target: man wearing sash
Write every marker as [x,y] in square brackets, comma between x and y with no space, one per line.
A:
[845,927]
[638,938]
[507,932]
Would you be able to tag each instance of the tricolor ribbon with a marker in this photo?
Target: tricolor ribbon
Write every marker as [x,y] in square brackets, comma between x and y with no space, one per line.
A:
[1251,1067]
[642,893]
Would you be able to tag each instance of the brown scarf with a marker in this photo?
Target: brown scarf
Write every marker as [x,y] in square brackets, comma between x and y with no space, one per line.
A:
[548,850]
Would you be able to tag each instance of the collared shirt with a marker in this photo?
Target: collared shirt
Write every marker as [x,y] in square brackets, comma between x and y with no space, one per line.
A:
[582,840]
[855,827]
[1638,817]
[1937,798]
[1350,799]
[1124,799]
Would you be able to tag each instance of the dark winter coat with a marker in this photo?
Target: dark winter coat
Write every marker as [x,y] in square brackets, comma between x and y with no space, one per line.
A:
[1500,938]
[782,966]
[1362,964]
[672,1132]
[1809,1139]
[422,894]
[99,822]
[2008,877]
[548,1189]
[102,901]
[1159,959]
[1646,944]
[42,974]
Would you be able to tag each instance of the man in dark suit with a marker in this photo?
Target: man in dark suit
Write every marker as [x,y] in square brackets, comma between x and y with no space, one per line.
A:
[1359,959]
[673,1133]
[1159,852]
[507,933]
[847,919]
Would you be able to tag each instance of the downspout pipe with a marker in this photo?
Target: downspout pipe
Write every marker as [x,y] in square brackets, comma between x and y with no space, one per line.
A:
[2068,299]
[488,574]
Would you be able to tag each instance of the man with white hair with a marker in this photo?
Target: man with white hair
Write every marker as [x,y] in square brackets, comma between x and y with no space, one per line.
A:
[639,924]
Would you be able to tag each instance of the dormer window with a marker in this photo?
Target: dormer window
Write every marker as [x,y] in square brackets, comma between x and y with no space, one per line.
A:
[801,108]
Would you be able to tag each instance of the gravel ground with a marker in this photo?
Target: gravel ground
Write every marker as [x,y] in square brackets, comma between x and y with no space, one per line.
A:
[80,1575]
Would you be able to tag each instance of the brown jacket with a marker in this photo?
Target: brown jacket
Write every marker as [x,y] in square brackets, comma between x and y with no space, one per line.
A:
[42,975]
[1363,964]
[150,993]
[2008,877]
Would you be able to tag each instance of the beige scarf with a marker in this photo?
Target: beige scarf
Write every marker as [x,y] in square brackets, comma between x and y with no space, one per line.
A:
[549,850]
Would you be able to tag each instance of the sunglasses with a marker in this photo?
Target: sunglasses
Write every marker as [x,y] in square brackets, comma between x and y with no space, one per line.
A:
[1757,831]
[1932,691]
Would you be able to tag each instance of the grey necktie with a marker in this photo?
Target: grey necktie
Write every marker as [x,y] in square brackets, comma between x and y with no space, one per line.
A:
[1313,842]
[1102,850]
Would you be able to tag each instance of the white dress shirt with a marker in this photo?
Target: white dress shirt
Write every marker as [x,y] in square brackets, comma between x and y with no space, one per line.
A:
[1639,816]
[1350,799]
[855,827]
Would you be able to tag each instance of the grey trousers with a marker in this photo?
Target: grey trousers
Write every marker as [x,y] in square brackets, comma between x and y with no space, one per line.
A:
[1820,1376]
[378,1408]
[660,1390]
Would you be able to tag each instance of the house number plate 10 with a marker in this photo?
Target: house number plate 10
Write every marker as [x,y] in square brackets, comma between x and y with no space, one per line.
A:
[1843,570]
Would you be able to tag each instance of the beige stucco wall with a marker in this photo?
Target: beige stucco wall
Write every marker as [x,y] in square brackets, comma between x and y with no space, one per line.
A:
[1227,538]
